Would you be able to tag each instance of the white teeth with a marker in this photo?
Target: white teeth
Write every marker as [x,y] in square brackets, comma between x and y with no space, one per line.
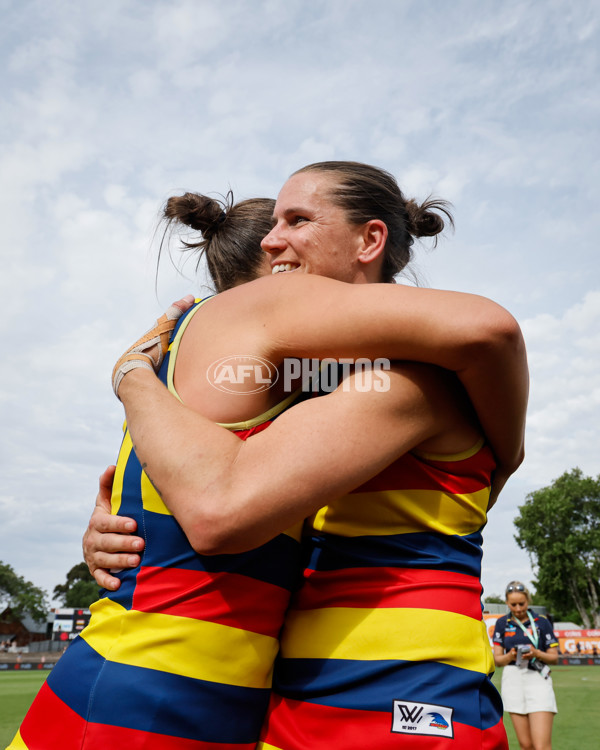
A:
[281,267]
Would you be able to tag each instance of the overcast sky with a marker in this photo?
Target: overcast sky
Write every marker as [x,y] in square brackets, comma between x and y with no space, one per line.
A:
[109,108]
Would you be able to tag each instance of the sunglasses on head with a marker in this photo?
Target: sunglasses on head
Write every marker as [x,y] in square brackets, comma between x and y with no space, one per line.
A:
[515,587]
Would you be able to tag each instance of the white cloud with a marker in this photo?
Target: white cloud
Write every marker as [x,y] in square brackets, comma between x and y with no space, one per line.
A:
[564,354]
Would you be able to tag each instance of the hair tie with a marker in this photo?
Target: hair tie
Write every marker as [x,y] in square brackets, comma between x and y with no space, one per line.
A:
[209,231]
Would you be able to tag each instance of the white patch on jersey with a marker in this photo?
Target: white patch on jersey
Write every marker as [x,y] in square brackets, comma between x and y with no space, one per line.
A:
[422,718]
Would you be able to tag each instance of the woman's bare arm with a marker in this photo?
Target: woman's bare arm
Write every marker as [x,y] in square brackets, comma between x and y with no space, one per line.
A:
[300,315]
[501,659]
[231,495]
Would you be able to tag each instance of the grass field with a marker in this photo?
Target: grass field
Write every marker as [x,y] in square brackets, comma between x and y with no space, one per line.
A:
[17,690]
[577,726]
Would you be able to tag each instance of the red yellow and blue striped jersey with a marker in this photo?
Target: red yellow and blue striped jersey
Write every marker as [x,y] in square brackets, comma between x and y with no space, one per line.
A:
[384,644]
[181,656]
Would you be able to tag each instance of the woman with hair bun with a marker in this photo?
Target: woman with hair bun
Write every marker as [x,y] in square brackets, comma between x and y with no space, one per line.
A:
[525,645]
[230,234]
[384,563]
[138,676]
[385,636]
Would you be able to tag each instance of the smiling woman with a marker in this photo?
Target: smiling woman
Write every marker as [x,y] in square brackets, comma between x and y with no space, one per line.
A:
[395,484]
[408,559]
[344,205]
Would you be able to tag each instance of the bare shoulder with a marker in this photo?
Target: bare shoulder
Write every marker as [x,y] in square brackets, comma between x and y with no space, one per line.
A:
[254,303]
[253,320]
[263,316]
[230,325]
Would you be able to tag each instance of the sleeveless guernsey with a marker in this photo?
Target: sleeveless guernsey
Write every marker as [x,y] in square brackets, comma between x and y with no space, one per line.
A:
[384,645]
[181,656]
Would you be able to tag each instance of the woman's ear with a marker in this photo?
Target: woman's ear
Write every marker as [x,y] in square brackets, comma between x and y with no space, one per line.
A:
[374,238]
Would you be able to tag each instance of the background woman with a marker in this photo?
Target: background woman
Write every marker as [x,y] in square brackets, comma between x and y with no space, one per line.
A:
[525,644]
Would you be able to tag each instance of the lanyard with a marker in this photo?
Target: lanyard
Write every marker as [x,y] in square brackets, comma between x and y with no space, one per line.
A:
[533,636]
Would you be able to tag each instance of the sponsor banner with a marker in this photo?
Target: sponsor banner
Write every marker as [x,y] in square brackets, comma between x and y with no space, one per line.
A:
[69,622]
[579,642]
[578,661]
[490,624]
[25,666]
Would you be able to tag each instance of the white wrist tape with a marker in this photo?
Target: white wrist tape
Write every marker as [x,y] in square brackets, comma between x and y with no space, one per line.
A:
[148,351]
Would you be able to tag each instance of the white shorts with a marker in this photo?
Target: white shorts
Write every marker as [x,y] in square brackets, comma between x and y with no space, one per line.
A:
[525,691]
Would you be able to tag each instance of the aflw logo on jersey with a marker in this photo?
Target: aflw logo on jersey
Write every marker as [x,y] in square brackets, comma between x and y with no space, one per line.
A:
[422,718]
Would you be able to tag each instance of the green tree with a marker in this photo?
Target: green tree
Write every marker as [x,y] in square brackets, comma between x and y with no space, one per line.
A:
[559,526]
[497,599]
[79,590]
[494,599]
[21,596]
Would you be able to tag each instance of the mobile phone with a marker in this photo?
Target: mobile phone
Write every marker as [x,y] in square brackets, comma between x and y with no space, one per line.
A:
[522,648]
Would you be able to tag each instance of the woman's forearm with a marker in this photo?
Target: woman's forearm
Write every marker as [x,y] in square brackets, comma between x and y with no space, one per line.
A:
[231,495]
[172,444]
[487,351]
[465,333]
[547,657]
[502,659]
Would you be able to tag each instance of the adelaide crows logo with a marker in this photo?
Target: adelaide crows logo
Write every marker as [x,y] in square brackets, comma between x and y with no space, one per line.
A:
[436,720]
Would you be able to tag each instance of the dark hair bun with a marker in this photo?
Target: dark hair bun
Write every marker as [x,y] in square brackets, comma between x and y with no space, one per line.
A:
[426,220]
[199,212]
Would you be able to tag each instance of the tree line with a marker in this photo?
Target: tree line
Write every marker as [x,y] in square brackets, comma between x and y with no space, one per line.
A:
[21,597]
[559,527]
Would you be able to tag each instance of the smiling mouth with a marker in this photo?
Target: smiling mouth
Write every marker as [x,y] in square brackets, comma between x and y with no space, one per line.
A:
[283,268]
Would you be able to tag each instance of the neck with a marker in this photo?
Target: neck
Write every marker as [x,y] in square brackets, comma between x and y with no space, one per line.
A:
[367,275]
